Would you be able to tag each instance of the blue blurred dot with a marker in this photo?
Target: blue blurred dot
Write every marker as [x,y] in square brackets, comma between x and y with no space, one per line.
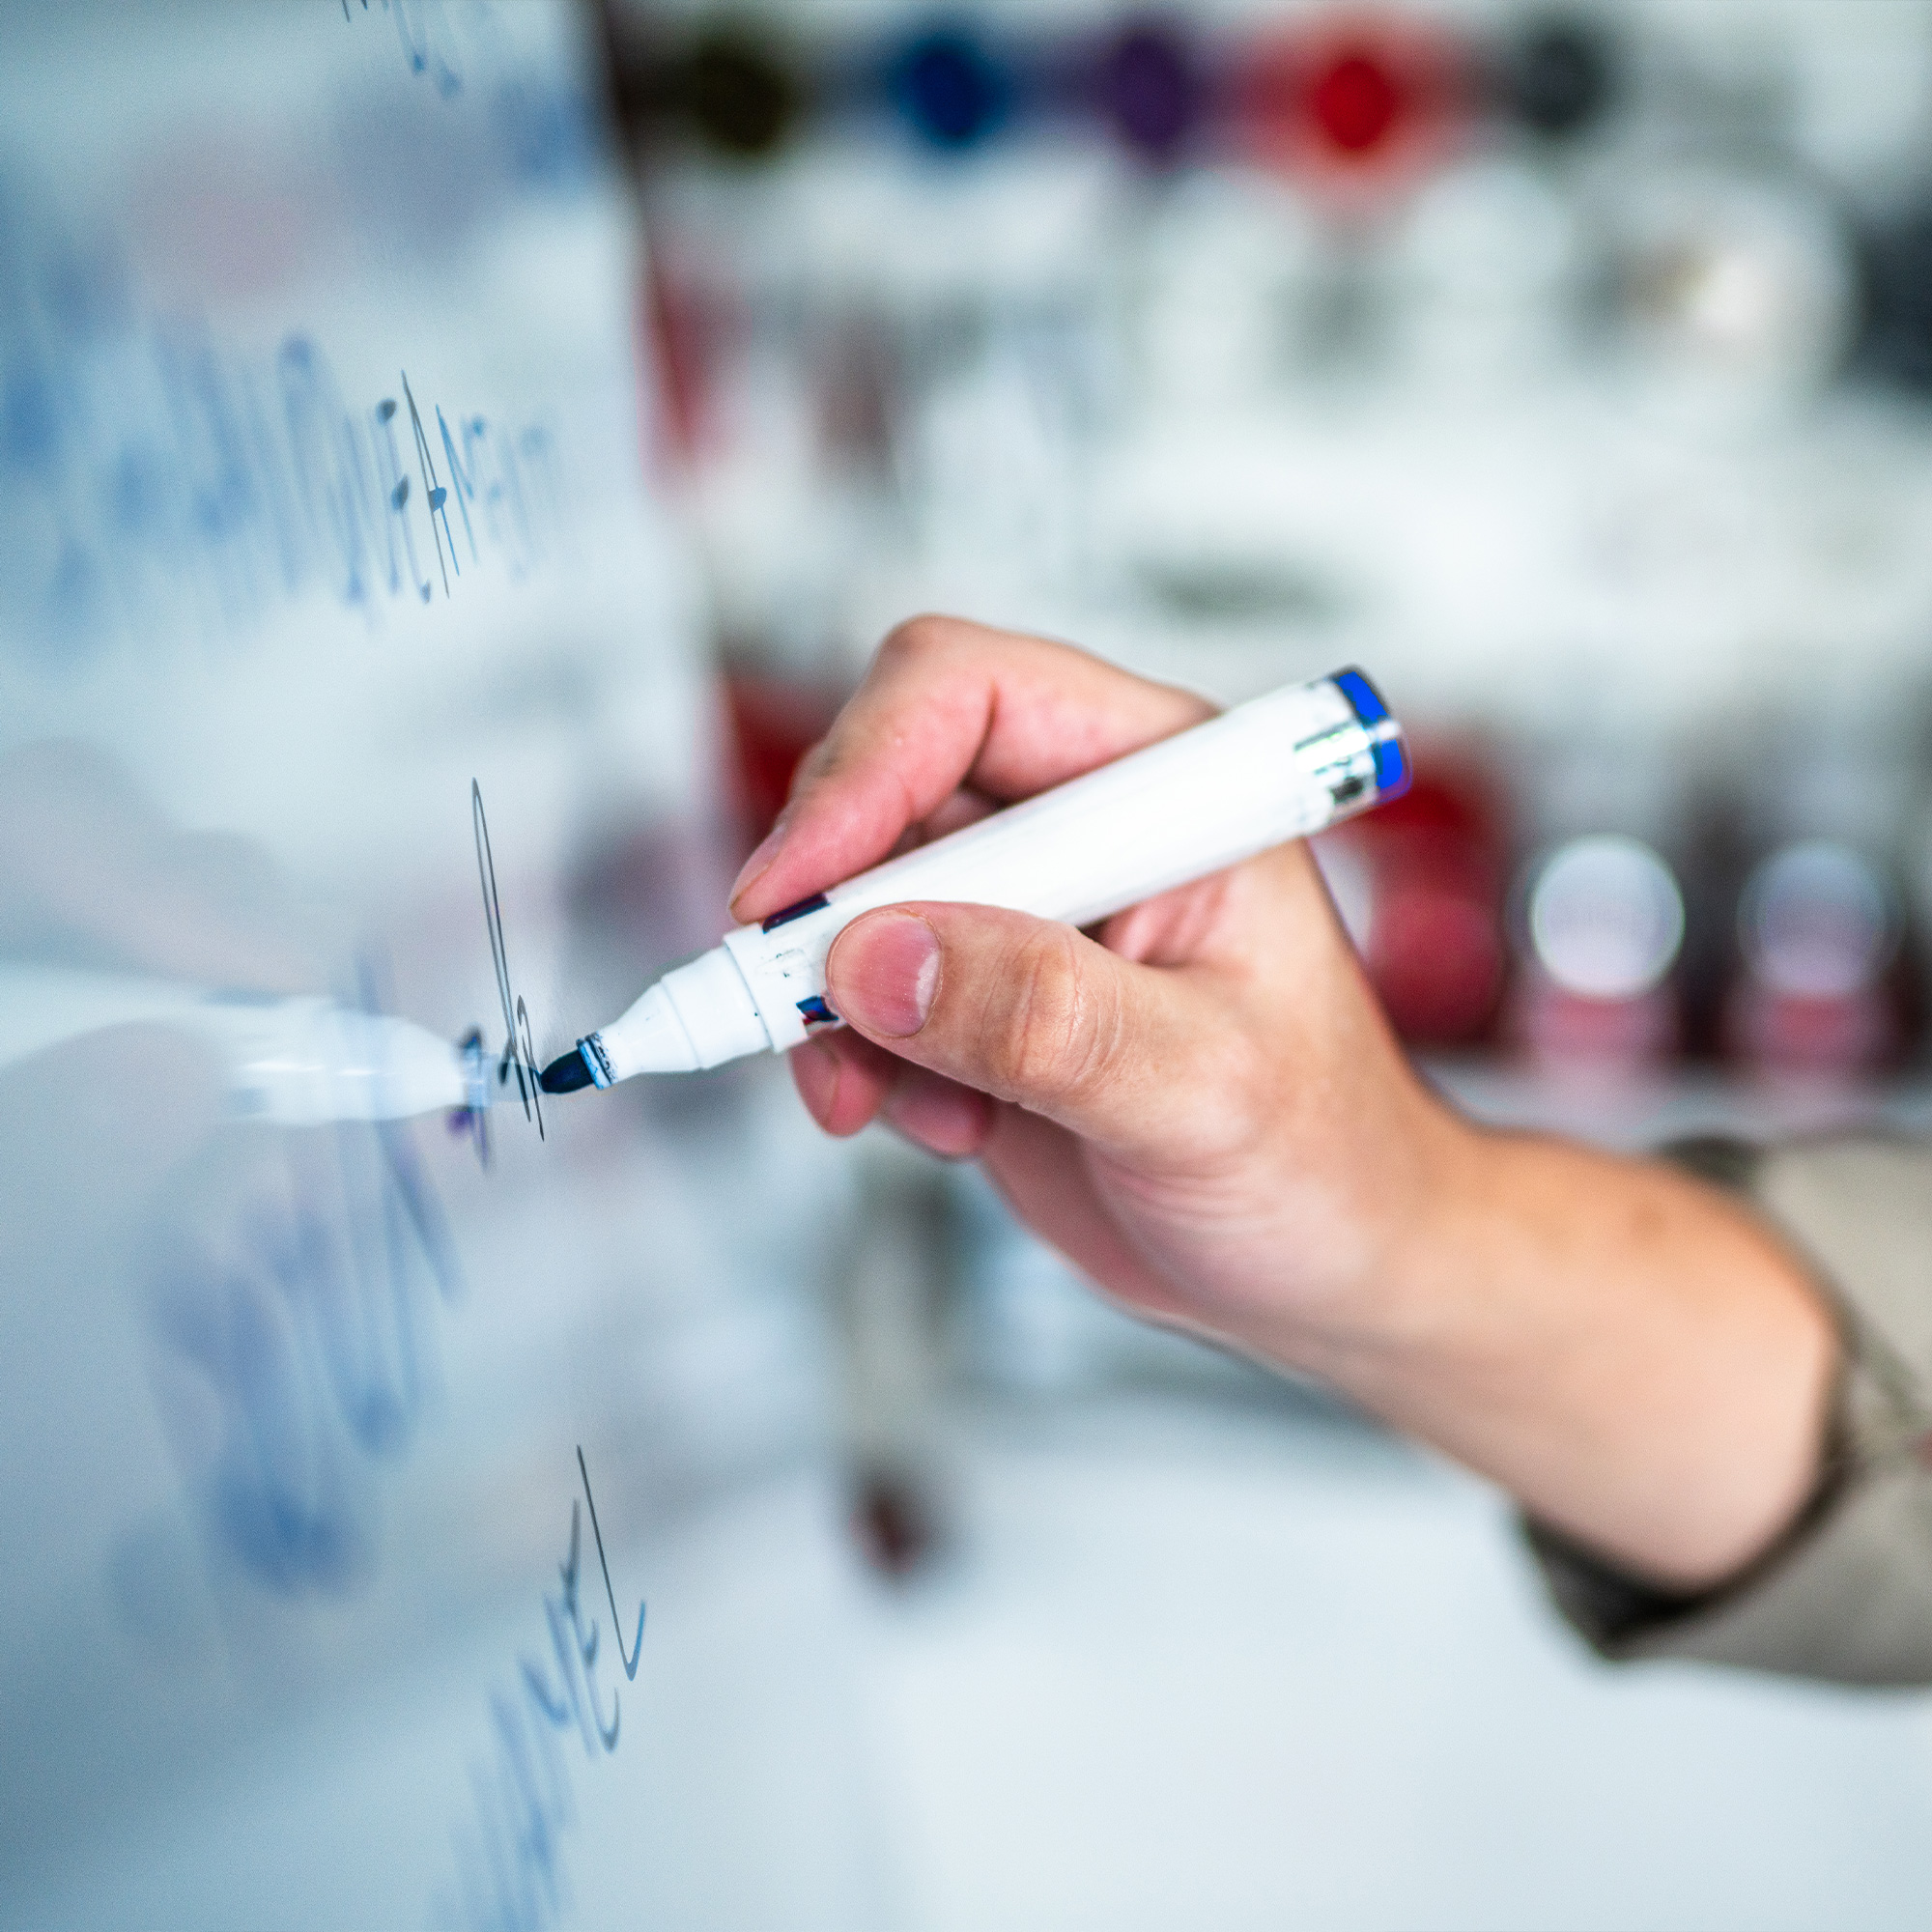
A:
[949,88]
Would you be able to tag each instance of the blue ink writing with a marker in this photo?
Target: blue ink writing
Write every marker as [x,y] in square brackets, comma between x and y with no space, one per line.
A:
[510,1873]
[519,1054]
[157,481]
[433,495]
[425,31]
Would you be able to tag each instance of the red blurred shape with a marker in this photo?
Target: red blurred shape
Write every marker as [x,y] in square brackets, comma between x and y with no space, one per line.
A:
[1432,866]
[1435,958]
[1356,102]
[684,325]
[774,720]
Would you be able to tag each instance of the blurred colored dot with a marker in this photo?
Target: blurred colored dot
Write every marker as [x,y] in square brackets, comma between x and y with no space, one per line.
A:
[1353,100]
[740,96]
[949,88]
[1558,77]
[1148,90]
[1357,104]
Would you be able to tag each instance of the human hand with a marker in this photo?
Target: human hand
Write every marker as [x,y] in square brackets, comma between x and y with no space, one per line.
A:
[1202,1106]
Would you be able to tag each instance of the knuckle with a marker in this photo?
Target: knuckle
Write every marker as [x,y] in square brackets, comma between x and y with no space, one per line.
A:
[819,761]
[916,640]
[1060,1022]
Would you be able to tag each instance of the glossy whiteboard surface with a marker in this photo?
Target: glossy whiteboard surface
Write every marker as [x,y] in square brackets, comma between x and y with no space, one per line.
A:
[328,538]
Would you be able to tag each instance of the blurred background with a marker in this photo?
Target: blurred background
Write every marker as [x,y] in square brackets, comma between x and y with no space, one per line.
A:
[1567,368]
[1569,371]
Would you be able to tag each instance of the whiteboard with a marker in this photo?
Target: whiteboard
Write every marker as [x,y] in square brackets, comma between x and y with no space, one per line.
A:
[403,1527]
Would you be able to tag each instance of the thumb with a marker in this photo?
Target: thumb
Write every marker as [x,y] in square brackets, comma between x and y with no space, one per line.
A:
[1022,1009]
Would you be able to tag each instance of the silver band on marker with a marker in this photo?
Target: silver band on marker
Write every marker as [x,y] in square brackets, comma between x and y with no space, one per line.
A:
[591,1047]
[1340,760]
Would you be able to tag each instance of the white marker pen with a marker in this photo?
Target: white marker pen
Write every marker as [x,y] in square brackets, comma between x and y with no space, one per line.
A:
[296,1061]
[1277,768]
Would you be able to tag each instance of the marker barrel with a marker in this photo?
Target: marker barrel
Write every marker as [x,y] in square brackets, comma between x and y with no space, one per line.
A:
[1277,768]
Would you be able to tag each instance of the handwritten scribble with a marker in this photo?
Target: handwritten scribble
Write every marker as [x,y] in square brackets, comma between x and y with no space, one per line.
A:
[629,1657]
[433,493]
[427,40]
[519,1054]
[509,1851]
[396,490]
[158,477]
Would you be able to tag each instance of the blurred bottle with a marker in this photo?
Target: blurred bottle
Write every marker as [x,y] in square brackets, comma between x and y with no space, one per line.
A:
[1818,982]
[1602,925]
[949,88]
[1818,932]
[735,89]
[742,90]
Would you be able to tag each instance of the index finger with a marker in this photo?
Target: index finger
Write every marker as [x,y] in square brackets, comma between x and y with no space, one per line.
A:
[948,704]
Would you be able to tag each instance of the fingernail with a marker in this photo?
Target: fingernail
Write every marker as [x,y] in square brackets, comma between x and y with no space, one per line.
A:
[887,971]
[766,851]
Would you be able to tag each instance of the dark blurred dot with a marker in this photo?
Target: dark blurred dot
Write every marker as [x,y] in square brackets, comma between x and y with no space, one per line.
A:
[739,94]
[1148,90]
[949,88]
[892,1524]
[1559,76]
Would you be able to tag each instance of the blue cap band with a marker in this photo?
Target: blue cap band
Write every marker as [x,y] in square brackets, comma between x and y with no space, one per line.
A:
[818,902]
[1366,702]
[1364,699]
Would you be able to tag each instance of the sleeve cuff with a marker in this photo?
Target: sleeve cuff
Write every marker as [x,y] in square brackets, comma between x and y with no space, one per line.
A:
[1846,1592]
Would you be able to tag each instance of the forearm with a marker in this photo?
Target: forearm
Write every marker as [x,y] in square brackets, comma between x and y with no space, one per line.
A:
[1637,1360]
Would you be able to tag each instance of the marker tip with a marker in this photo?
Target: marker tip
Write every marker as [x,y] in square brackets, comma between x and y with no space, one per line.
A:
[565,1075]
